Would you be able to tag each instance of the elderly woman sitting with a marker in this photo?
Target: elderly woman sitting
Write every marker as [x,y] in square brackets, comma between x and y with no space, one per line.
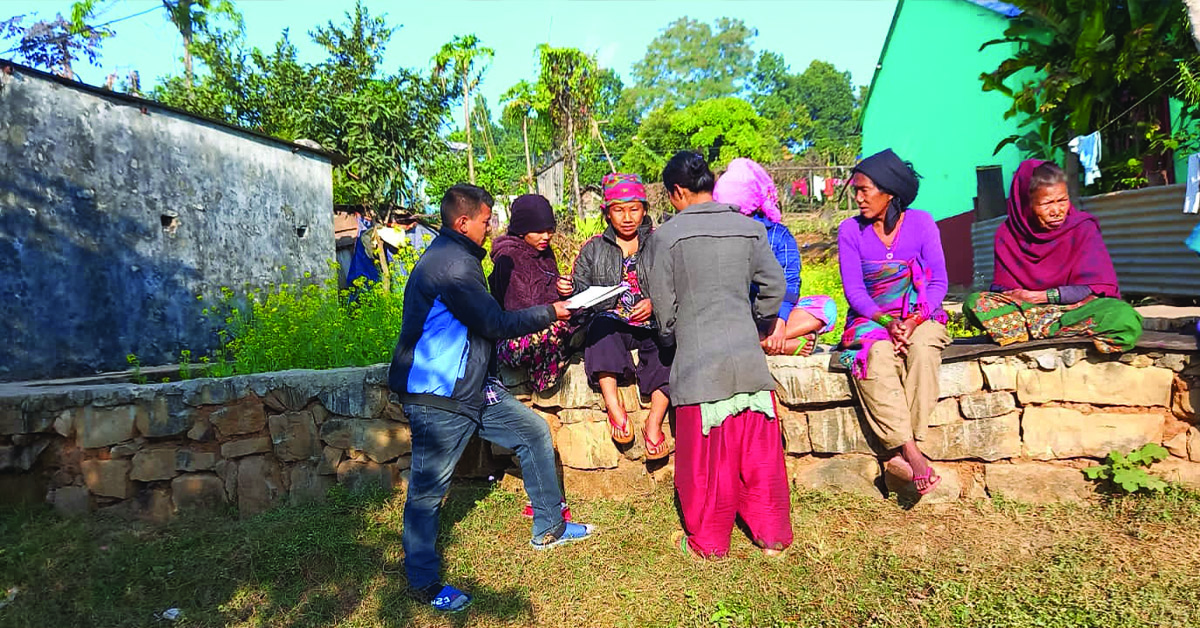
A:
[894,275]
[747,185]
[1053,276]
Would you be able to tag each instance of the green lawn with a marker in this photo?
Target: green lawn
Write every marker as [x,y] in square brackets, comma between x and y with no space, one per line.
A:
[855,562]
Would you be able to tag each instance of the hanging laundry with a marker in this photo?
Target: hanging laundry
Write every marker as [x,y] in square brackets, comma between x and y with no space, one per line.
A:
[830,186]
[818,187]
[800,186]
[1088,149]
[1193,240]
[1191,195]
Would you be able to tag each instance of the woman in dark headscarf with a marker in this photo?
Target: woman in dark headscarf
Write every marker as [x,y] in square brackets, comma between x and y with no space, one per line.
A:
[524,274]
[1053,276]
[894,276]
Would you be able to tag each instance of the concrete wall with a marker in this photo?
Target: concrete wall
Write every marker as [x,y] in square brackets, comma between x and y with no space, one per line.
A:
[1021,424]
[928,105]
[115,216]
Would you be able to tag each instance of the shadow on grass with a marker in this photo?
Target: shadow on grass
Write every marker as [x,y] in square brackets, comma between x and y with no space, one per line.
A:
[313,565]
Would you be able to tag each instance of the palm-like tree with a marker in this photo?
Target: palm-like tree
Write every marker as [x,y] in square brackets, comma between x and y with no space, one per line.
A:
[190,16]
[457,60]
[519,102]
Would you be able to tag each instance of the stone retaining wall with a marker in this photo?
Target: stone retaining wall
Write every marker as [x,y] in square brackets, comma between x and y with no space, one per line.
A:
[1020,424]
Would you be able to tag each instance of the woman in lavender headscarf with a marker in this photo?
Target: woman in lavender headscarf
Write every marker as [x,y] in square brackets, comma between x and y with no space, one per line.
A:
[1053,276]
[747,185]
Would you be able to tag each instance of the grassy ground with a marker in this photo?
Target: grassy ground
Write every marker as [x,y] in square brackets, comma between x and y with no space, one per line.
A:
[1131,562]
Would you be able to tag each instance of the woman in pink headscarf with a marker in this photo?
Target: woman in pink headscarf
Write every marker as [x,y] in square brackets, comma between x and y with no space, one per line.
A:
[624,323]
[748,186]
[1053,276]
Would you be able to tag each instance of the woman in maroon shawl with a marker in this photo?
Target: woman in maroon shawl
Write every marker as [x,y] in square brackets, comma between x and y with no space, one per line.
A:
[524,274]
[1053,277]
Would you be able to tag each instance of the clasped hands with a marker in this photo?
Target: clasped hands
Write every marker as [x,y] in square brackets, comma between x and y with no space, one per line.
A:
[900,330]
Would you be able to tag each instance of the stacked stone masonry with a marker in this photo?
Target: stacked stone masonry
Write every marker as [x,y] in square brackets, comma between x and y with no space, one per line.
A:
[1019,424]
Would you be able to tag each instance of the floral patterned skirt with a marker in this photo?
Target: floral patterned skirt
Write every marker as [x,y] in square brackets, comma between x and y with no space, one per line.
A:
[543,354]
[1112,324]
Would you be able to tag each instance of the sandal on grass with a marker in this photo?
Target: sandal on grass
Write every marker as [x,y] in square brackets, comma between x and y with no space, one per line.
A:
[659,450]
[679,541]
[771,552]
[621,434]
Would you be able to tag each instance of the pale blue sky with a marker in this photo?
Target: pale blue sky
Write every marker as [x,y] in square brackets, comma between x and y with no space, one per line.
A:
[847,33]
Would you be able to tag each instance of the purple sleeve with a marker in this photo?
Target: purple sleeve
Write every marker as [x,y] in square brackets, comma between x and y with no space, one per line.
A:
[1073,294]
[935,264]
[850,266]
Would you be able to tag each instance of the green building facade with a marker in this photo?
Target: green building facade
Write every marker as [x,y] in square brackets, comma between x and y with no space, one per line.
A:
[926,101]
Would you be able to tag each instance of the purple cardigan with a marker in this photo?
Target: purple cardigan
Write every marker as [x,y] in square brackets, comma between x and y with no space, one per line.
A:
[918,239]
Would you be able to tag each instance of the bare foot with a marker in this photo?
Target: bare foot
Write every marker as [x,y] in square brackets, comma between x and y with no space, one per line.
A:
[898,468]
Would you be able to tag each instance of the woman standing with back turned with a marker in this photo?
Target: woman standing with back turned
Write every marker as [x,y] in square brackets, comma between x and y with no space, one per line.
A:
[699,268]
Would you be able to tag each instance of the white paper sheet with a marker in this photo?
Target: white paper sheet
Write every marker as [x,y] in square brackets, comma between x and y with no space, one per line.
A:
[594,295]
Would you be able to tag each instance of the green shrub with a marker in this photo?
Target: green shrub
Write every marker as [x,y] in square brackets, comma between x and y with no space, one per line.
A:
[308,326]
[1127,473]
[824,278]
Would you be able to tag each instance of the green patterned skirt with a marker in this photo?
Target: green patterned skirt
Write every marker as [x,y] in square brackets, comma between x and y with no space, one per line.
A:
[1111,324]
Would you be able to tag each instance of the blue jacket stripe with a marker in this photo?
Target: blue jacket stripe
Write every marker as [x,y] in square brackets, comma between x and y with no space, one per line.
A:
[440,357]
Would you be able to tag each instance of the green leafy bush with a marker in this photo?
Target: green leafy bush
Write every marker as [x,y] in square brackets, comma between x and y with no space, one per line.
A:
[824,278]
[308,326]
[1127,473]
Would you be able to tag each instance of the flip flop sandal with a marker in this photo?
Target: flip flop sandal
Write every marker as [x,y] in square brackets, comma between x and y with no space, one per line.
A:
[806,341]
[621,434]
[656,451]
[679,540]
[926,477]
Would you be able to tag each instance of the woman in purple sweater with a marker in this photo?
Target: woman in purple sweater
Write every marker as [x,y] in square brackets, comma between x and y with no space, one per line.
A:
[894,276]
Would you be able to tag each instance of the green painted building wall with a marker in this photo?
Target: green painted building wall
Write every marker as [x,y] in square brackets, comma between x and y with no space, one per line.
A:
[926,101]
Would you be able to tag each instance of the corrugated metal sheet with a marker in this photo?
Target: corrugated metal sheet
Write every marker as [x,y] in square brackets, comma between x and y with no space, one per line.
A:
[1144,231]
[983,248]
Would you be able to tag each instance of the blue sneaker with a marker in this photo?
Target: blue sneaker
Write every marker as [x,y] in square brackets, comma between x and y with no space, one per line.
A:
[571,532]
[444,598]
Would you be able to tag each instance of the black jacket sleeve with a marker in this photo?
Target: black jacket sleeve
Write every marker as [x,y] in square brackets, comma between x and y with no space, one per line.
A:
[466,296]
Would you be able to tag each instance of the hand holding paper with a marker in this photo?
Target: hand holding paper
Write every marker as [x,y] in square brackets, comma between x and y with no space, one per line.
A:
[594,295]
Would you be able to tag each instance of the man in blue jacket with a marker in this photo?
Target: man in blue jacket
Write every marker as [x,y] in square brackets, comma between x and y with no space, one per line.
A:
[441,370]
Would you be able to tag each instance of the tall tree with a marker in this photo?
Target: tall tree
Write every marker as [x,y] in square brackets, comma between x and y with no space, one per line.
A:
[829,97]
[458,58]
[719,128]
[1083,65]
[777,96]
[518,104]
[567,89]
[56,44]
[386,124]
[690,61]
[190,16]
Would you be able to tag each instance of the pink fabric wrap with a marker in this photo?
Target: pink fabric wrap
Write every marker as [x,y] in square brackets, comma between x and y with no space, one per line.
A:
[1030,258]
[621,187]
[747,185]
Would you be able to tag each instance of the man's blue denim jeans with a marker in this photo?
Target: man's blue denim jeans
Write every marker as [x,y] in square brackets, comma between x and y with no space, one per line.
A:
[438,438]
